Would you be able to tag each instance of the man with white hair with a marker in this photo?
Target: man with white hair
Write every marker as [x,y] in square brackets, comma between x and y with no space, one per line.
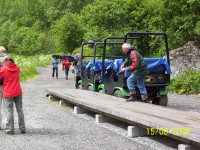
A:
[3,55]
[135,62]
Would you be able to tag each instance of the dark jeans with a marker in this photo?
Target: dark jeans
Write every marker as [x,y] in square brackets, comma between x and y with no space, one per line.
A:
[55,70]
[66,72]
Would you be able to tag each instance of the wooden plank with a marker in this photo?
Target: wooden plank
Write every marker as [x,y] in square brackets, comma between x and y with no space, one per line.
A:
[136,113]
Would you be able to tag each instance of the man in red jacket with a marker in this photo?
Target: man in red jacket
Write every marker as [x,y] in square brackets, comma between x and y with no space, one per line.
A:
[13,94]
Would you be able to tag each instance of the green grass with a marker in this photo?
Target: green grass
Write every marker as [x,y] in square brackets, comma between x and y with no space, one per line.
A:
[28,65]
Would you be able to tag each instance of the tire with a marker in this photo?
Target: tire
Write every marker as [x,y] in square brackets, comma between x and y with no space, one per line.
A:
[79,87]
[90,88]
[117,93]
[101,91]
[163,100]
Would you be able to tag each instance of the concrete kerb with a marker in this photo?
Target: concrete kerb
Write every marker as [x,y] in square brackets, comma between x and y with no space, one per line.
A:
[61,103]
[99,118]
[79,110]
[50,98]
[134,131]
[185,147]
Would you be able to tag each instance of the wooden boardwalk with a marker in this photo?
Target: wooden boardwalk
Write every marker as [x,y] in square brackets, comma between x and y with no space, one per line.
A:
[144,115]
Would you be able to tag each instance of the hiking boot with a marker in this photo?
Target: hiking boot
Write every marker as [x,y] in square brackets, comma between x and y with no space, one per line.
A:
[23,131]
[2,128]
[133,97]
[9,132]
[145,99]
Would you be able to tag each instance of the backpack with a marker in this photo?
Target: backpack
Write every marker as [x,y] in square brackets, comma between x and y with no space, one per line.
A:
[66,63]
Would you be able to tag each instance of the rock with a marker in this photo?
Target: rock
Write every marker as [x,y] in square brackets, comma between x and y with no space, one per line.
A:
[185,57]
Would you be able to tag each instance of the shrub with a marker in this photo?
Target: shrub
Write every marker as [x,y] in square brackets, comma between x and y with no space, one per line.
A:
[187,83]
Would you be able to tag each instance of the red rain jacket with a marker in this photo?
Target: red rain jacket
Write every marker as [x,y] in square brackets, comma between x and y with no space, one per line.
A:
[11,84]
[66,64]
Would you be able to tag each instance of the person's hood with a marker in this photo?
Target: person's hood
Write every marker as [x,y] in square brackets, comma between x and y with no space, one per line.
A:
[10,66]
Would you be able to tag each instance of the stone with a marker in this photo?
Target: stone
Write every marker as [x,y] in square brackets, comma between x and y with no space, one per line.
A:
[134,131]
[184,147]
[185,57]
[78,110]
[99,118]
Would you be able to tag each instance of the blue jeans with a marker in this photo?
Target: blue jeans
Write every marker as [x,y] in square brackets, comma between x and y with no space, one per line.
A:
[76,69]
[140,79]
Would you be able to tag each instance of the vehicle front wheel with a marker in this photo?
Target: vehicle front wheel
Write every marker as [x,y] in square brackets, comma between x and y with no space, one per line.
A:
[79,86]
[101,91]
[163,100]
[117,93]
[89,88]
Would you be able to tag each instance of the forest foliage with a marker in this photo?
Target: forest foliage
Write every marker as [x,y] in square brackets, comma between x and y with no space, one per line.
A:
[29,27]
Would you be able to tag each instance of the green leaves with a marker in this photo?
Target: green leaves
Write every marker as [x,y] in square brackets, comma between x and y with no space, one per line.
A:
[187,83]
[103,18]
[67,33]
[26,41]
[62,25]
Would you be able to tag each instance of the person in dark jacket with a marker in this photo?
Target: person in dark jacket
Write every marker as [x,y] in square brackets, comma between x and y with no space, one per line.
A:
[13,94]
[135,62]
[76,63]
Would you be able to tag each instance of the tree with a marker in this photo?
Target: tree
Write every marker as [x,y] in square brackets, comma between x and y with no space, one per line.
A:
[67,33]
[103,18]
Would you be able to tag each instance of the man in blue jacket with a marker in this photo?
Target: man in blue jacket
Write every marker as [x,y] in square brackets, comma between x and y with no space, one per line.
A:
[55,66]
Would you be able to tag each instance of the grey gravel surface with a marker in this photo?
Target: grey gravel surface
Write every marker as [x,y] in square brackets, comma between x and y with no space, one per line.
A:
[52,127]
[184,102]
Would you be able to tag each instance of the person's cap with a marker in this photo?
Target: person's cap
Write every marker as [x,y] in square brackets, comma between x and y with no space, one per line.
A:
[126,45]
[2,49]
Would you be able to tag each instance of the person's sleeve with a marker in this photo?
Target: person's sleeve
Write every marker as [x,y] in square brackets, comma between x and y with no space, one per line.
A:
[134,62]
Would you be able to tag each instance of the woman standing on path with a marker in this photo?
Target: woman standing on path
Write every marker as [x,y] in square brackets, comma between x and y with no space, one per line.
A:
[13,94]
[55,66]
[3,55]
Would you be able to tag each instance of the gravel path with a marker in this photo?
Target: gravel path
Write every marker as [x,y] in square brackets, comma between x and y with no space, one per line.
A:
[184,102]
[50,127]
